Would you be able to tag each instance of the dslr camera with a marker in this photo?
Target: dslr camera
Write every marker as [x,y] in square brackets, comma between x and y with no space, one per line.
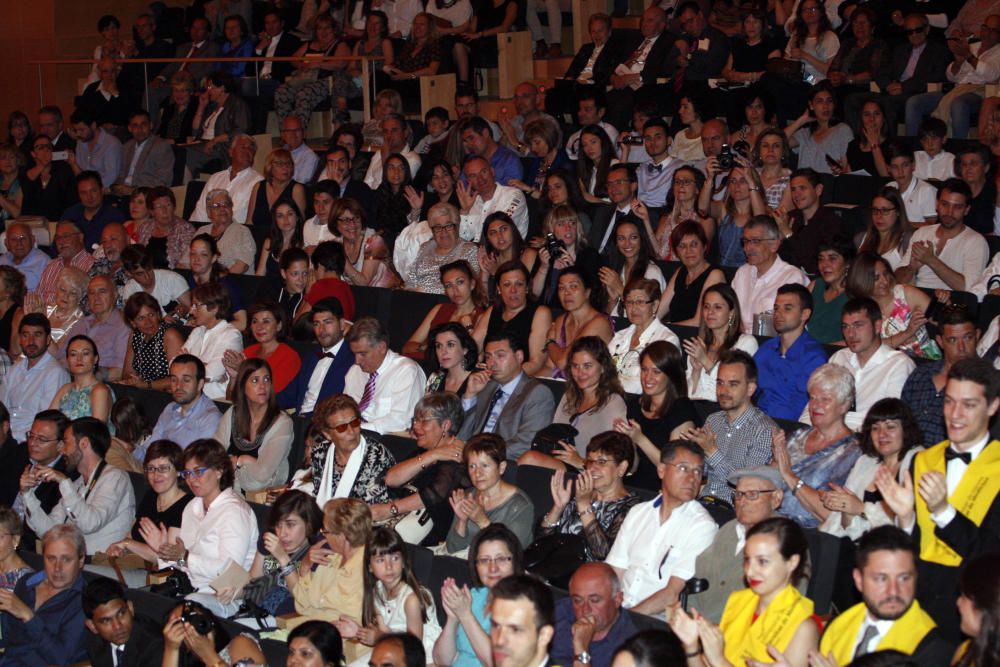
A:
[554,246]
[199,620]
[726,158]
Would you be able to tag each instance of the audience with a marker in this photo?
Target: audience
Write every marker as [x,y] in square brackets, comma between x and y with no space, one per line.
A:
[641,299]
[213,336]
[238,180]
[325,365]
[117,632]
[269,327]
[166,236]
[22,254]
[33,381]
[105,326]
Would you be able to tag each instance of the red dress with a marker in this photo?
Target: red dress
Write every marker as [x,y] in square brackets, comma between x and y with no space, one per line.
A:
[284,363]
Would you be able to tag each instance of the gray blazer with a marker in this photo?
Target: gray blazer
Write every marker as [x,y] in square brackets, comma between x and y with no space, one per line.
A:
[198,70]
[527,411]
[155,166]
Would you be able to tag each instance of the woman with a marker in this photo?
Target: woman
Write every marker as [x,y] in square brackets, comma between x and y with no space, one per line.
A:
[374,42]
[152,345]
[166,237]
[597,154]
[168,288]
[391,204]
[595,505]
[11,196]
[278,186]
[235,45]
[454,359]
[212,335]
[435,473]
[235,240]
[307,86]
[131,427]
[84,395]
[829,290]
[770,614]
[641,299]
[865,152]
[814,135]
[679,304]
[205,269]
[442,182]
[176,118]
[563,189]
[70,291]
[220,116]
[502,243]
[258,434]
[346,463]
[491,500]
[218,528]
[12,567]
[633,260]
[20,135]
[682,204]
[979,609]
[859,60]
[813,43]
[903,307]
[660,413]
[492,18]
[270,327]
[889,231]
[330,583]
[315,643]
[512,311]
[771,150]
[49,186]
[183,644]
[139,212]
[758,116]
[686,144]
[544,140]
[421,54]
[443,248]
[719,331]
[747,61]
[890,437]
[821,455]
[12,292]
[744,199]
[285,233]
[563,229]
[464,641]
[579,319]
[365,250]
[465,305]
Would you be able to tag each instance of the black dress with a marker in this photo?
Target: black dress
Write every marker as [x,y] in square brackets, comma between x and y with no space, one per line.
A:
[51,200]
[859,159]
[262,210]
[170,517]
[684,305]
[435,485]
[519,325]
[658,431]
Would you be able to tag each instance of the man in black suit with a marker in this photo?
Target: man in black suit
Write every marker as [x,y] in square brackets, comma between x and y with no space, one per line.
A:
[200,46]
[337,170]
[134,76]
[50,123]
[119,637]
[622,186]
[273,42]
[699,54]
[633,80]
[44,442]
[592,65]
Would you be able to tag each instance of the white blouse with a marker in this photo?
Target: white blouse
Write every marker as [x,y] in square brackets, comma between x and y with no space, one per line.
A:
[627,360]
[705,389]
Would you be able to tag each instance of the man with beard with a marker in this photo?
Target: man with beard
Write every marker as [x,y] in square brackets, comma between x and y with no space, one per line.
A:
[192,416]
[36,377]
[889,618]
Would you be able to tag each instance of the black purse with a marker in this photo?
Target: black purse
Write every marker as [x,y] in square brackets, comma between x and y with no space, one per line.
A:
[555,557]
[547,440]
[176,585]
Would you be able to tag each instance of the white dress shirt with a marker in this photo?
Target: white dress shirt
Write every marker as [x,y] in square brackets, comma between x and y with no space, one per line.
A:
[209,345]
[398,387]
[954,471]
[373,177]
[305,160]
[317,377]
[315,232]
[919,198]
[168,286]
[238,187]
[988,279]
[756,292]
[967,253]
[587,73]
[272,46]
[987,69]
[28,391]
[627,360]
[940,167]
[506,199]
[882,377]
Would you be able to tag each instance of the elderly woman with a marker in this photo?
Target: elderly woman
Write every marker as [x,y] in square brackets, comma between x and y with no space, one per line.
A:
[346,463]
[330,579]
[679,303]
[43,623]
[443,248]
[642,298]
[166,237]
[212,336]
[220,116]
[579,318]
[817,459]
[175,122]
[71,288]
[466,302]
[235,240]
[278,185]
[152,345]
[543,139]
[454,358]
[435,473]
[890,437]
[564,234]
[364,248]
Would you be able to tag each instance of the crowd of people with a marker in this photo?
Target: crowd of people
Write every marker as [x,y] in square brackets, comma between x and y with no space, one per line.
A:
[665,390]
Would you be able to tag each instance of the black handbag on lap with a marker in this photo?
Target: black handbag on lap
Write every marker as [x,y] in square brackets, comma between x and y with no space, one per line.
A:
[555,557]
[547,440]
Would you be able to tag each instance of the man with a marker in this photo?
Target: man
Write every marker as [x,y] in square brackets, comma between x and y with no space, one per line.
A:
[328,263]
[715,133]
[23,255]
[924,389]
[756,283]
[238,180]
[591,106]
[522,622]
[655,551]
[590,623]
[526,104]
[200,46]
[91,214]
[105,326]
[879,371]
[888,617]
[146,45]
[482,196]
[324,366]
[338,173]
[386,385]
[114,240]
[273,42]
[118,636]
[147,160]
[502,399]
[316,229]
[293,133]
[467,106]
[42,447]
[168,288]
[100,502]
[656,177]
[50,124]
[919,196]
[701,51]
[622,187]
[634,79]
[69,246]
[477,141]
[941,256]
[809,226]
[395,139]
[192,415]
[785,362]
[34,380]
[595,61]
[738,435]
[96,150]
[398,649]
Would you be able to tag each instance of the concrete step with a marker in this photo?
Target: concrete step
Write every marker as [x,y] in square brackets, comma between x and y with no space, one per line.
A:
[551,68]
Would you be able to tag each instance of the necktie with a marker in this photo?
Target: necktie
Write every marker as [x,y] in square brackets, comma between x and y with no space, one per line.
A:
[637,57]
[120,657]
[493,413]
[190,54]
[950,454]
[366,398]
[871,632]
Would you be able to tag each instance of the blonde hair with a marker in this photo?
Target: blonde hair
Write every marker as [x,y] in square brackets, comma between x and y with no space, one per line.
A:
[349,517]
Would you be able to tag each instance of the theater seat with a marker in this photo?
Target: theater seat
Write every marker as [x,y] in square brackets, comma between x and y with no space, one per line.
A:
[442,568]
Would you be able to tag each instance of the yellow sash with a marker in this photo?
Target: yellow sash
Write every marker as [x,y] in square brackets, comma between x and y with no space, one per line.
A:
[747,639]
[973,497]
[841,637]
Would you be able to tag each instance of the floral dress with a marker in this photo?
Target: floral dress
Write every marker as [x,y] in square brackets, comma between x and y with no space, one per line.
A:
[921,345]
[832,464]
[369,485]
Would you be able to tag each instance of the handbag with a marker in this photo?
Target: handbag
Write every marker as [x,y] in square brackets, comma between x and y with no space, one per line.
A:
[547,439]
[555,557]
[414,526]
[177,585]
[783,68]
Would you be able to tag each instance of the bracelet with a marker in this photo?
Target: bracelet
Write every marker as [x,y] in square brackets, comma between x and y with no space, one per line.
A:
[694,654]
[798,485]
[585,511]
[288,569]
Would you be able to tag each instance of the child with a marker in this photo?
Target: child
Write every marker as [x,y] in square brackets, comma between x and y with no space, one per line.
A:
[437,123]
[933,163]
[328,266]
[919,196]
[394,600]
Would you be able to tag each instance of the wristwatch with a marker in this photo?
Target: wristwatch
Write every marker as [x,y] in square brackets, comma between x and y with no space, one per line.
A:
[393,510]
[583,658]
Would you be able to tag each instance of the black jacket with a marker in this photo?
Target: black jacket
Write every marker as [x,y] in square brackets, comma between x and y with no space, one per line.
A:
[619,45]
[930,67]
[144,646]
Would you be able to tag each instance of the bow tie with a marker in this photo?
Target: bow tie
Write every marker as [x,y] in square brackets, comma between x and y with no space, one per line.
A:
[654,168]
[325,355]
[950,454]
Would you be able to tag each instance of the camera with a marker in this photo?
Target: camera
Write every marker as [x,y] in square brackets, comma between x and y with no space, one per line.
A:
[199,620]
[726,158]
[632,140]
[554,245]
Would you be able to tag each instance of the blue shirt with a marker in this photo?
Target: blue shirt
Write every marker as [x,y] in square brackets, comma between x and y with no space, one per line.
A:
[200,421]
[28,391]
[105,157]
[31,266]
[242,50]
[506,166]
[601,652]
[464,655]
[781,380]
[54,635]
[93,227]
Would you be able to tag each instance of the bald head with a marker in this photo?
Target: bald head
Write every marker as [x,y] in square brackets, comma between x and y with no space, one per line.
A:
[596,571]
[714,133]
[101,296]
[20,240]
[595,593]
[114,238]
[654,20]
[292,132]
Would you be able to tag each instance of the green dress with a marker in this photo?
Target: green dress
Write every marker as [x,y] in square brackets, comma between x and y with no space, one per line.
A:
[824,324]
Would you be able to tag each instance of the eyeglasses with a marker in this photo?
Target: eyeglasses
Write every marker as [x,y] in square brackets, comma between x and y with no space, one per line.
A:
[752,494]
[342,428]
[348,219]
[915,31]
[883,211]
[29,436]
[220,206]
[756,242]
[685,469]
[486,561]
[441,228]
[159,470]
[597,462]
[637,302]
[193,472]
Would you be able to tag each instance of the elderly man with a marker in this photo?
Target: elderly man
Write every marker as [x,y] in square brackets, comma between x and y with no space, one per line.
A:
[33,381]
[655,551]
[483,196]
[50,124]
[590,623]
[147,161]
[235,240]
[756,283]
[526,104]
[386,385]
[114,240]
[91,214]
[96,149]
[238,180]
[395,139]
[634,80]
[23,255]
[105,326]
[69,245]
[100,502]
[757,495]
[522,616]
[293,134]
[477,141]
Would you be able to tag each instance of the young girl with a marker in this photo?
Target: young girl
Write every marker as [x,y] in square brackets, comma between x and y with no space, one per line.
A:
[394,599]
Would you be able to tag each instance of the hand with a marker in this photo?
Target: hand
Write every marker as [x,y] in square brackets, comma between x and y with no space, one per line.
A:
[711,167]
[28,479]
[872,135]
[894,88]
[273,546]
[173,634]
[457,601]
[414,198]
[779,452]
[712,642]
[565,259]
[228,594]
[476,510]
[612,282]
[817,659]
[841,500]
[629,427]
[697,352]
[232,359]
[704,437]
[583,632]
[172,551]
[459,505]
[154,536]
[584,490]
[201,645]
[922,252]
[475,383]
[795,53]
[959,47]
[944,295]
[779,659]
[685,627]
[899,497]
[520,185]
[46,474]
[568,455]
[917,320]
[781,218]
[449,450]
[933,488]
[34,303]
[118,549]
[347,627]
[562,491]
[806,117]
[466,196]
[14,606]
[640,209]
[488,262]
[71,157]
[319,554]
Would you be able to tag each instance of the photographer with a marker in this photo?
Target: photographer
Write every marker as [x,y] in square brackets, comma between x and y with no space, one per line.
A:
[564,244]
[193,635]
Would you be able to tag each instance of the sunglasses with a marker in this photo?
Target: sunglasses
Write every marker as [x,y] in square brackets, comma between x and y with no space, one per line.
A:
[915,31]
[342,428]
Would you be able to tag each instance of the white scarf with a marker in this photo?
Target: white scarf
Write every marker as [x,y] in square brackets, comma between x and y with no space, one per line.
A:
[347,478]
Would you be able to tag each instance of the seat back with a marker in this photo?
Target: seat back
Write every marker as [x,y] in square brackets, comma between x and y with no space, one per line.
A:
[824,554]
[441,568]
[536,482]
